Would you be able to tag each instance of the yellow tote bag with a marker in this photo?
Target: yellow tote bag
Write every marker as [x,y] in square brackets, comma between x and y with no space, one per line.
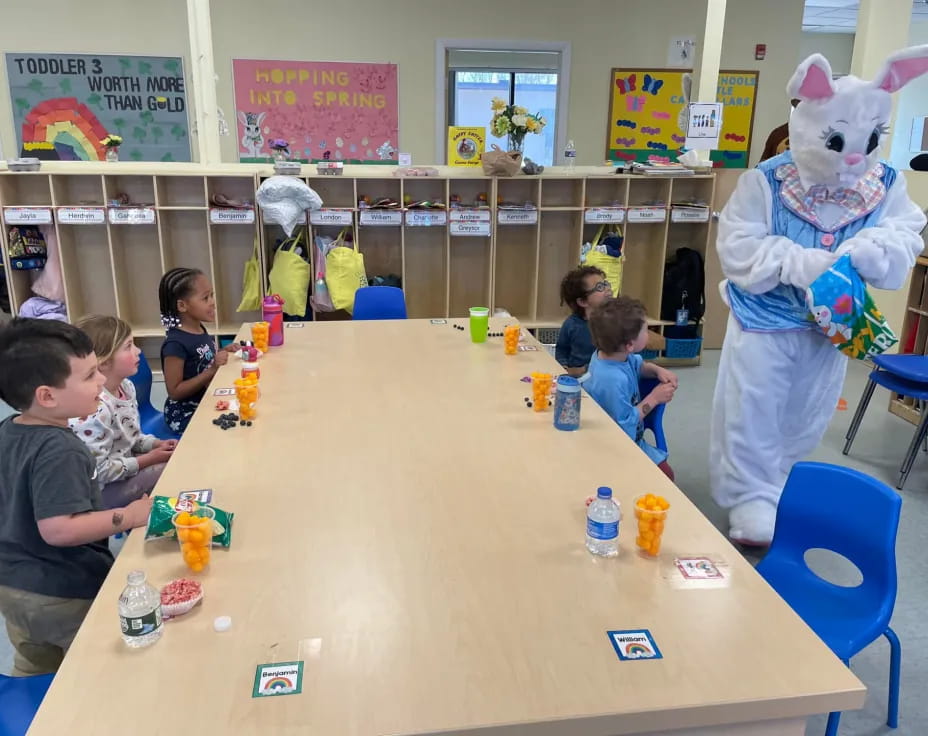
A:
[290,276]
[251,283]
[344,274]
[609,265]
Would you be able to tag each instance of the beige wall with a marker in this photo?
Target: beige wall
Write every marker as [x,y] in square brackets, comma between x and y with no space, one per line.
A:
[836,47]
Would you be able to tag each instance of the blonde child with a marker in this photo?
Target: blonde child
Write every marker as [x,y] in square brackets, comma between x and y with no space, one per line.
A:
[129,462]
[582,289]
[620,331]
[189,356]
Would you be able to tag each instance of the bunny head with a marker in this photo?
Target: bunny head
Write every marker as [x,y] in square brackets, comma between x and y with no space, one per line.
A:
[836,131]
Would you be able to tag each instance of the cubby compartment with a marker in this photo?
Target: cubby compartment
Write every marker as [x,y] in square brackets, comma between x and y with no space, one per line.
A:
[335,191]
[515,270]
[692,190]
[469,191]
[79,190]
[181,191]
[382,248]
[470,274]
[139,189]
[184,241]
[558,252]
[425,280]
[561,193]
[136,264]
[518,191]
[643,191]
[87,270]
[374,189]
[643,272]
[239,188]
[606,191]
[20,283]
[231,247]
[428,188]
[26,190]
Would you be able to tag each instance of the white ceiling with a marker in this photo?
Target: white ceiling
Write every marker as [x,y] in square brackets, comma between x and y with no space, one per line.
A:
[840,16]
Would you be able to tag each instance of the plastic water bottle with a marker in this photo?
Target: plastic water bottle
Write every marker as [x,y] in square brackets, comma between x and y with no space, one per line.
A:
[140,612]
[602,524]
[272,312]
[570,155]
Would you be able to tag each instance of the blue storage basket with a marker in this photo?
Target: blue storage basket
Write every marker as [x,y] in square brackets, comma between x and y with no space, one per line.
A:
[683,348]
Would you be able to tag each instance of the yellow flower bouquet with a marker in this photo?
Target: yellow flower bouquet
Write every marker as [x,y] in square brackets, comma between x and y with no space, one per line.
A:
[111,141]
[515,122]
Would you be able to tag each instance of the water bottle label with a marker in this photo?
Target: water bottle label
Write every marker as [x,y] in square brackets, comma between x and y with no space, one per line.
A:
[604,530]
[141,625]
[570,154]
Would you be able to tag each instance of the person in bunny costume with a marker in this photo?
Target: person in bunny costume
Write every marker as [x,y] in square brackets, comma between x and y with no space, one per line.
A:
[787,221]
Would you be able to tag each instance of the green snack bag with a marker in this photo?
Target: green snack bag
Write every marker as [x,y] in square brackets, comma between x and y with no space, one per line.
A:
[163,508]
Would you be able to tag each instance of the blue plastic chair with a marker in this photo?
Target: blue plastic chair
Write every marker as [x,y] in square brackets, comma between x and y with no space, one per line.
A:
[379,302]
[655,420]
[150,419]
[829,507]
[906,375]
[20,698]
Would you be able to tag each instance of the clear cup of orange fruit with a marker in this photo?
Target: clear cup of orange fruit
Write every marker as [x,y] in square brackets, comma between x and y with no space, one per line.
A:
[541,390]
[246,391]
[194,530]
[260,334]
[651,512]
[511,339]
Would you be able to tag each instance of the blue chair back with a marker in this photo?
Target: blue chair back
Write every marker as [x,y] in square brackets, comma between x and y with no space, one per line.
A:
[20,698]
[142,381]
[655,420]
[842,510]
[379,302]
[150,419]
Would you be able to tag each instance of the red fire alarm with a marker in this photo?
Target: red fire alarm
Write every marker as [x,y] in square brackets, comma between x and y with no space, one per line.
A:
[760,51]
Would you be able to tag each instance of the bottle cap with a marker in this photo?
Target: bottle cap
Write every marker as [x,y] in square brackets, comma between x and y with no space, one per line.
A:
[604,492]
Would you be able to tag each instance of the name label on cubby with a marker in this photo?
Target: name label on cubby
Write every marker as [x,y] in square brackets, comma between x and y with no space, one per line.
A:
[689,214]
[647,214]
[27,215]
[381,217]
[517,217]
[470,215]
[595,215]
[81,215]
[476,229]
[231,216]
[426,218]
[331,217]
[132,216]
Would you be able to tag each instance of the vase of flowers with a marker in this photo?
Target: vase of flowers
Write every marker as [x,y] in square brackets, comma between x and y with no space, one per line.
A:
[514,122]
[112,143]
[280,149]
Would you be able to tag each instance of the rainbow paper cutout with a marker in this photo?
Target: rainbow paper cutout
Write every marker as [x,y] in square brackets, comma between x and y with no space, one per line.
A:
[68,126]
[636,650]
[278,683]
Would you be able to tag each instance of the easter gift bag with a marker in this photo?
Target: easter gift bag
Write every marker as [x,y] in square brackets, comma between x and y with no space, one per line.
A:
[843,309]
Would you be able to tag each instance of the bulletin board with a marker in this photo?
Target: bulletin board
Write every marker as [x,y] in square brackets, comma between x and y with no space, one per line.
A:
[65,104]
[647,115]
[326,111]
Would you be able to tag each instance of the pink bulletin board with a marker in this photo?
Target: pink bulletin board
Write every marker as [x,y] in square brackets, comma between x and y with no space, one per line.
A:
[326,111]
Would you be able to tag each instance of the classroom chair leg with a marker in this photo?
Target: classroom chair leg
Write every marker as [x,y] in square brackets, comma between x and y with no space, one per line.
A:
[832,728]
[895,666]
[859,415]
[912,452]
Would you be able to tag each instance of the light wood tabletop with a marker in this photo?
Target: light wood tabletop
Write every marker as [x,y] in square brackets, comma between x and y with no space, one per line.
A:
[414,534]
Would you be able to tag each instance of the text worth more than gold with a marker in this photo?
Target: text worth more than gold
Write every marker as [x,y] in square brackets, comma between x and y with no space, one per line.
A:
[331,97]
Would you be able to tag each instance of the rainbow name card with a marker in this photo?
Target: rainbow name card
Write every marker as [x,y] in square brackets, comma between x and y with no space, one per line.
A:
[81,215]
[231,216]
[331,217]
[634,644]
[281,678]
[27,215]
[596,215]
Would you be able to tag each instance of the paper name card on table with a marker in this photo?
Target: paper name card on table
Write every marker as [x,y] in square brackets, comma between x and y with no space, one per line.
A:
[426,218]
[596,215]
[327,216]
[131,215]
[27,215]
[381,217]
[517,217]
[634,644]
[81,215]
[231,216]
[647,214]
[472,229]
[282,678]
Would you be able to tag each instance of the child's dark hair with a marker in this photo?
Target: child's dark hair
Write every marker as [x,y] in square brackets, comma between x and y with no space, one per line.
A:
[37,352]
[175,284]
[617,322]
[573,288]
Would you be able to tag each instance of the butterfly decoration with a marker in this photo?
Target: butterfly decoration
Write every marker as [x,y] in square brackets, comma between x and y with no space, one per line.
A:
[635,103]
[627,84]
[651,84]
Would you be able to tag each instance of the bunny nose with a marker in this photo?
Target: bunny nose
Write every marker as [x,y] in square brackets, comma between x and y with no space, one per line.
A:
[853,159]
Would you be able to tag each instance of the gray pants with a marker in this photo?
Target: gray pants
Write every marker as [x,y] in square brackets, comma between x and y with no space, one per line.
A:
[121,493]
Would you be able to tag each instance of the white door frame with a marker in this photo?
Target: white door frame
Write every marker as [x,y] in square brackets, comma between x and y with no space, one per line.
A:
[485,44]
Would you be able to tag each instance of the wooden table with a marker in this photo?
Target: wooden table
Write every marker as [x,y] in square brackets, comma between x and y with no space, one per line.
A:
[415,534]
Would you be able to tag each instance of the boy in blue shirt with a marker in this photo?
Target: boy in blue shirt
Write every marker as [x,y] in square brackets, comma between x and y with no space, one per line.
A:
[620,330]
[582,289]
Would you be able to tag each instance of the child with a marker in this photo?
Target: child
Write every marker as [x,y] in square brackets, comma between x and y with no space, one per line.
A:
[189,357]
[582,290]
[620,330]
[53,529]
[129,463]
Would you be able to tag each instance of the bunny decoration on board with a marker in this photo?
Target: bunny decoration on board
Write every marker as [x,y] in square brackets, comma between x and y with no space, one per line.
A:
[252,138]
[786,223]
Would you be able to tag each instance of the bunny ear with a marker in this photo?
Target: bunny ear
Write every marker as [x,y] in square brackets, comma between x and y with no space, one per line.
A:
[901,68]
[242,119]
[687,87]
[812,80]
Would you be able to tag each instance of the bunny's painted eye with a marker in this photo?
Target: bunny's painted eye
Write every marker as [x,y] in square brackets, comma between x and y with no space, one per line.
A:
[873,141]
[835,142]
